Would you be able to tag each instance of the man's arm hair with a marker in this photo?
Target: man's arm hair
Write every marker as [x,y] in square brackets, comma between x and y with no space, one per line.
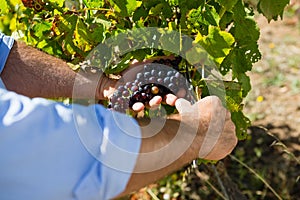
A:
[34,73]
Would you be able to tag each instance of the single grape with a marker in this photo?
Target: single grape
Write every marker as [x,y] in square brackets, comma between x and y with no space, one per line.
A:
[154,90]
[166,80]
[139,76]
[177,75]
[152,79]
[161,74]
[125,93]
[153,72]
[147,75]
[134,88]
[160,80]
[170,73]
[147,88]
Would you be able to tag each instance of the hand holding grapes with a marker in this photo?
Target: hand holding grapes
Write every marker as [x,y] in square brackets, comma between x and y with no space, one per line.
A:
[147,84]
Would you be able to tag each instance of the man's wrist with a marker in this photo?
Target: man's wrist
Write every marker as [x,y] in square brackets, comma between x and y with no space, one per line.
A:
[106,87]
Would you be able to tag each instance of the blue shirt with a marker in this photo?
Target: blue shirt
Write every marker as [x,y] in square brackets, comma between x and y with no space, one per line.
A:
[49,150]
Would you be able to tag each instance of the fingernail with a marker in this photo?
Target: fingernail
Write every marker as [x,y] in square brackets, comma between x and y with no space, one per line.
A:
[138,106]
[155,101]
[171,99]
[182,105]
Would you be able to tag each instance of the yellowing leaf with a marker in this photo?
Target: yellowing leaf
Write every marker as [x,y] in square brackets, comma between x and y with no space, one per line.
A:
[218,43]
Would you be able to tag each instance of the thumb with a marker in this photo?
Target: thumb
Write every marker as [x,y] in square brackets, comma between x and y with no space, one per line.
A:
[183,106]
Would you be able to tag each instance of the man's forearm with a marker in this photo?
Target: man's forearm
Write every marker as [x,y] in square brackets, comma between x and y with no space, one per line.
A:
[33,73]
[163,162]
[182,138]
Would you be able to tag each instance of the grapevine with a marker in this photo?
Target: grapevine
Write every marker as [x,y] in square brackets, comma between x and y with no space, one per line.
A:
[225,29]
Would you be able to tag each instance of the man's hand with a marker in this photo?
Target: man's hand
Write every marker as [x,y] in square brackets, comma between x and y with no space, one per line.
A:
[216,131]
[203,129]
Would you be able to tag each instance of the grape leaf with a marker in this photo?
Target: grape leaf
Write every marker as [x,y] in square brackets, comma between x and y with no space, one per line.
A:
[60,3]
[94,3]
[242,123]
[246,31]
[4,8]
[227,4]
[202,17]
[233,100]
[246,85]
[125,8]
[51,47]
[170,42]
[40,28]
[271,9]
[82,36]
[217,43]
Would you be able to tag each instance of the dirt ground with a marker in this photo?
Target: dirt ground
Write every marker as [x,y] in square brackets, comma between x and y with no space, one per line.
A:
[275,95]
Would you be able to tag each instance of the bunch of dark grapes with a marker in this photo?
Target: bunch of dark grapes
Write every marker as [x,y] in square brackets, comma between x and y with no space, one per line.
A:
[154,80]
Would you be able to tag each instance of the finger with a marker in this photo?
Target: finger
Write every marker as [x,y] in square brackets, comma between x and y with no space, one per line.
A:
[171,99]
[182,105]
[138,106]
[228,115]
[181,93]
[155,101]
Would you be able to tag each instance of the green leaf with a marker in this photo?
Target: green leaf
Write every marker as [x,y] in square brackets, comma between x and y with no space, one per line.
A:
[126,8]
[119,67]
[82,36]
[170,42]
[139,13]
[271,9]
[246,85]
[93,3]
[227,4]
[196,55]
[202,17]
[4,8]
[60,3]
[161,9]
[246,30]
[211,16]
[96,33]
[41,28]
[217,43]
[242,123]
[242,58]
[51,47]
[234,99]
[132,5]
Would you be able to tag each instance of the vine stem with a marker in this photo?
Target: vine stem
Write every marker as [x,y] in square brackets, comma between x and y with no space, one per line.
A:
[220,181]
[154,197]
[199,174]
[87,9]
[222,12]
[257,175]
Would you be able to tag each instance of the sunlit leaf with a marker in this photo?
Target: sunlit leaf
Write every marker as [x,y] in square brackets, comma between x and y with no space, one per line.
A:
[227,4]
[272,9]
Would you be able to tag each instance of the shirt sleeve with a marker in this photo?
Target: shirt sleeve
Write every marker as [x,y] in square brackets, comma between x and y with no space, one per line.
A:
[53,151]
[6,43]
